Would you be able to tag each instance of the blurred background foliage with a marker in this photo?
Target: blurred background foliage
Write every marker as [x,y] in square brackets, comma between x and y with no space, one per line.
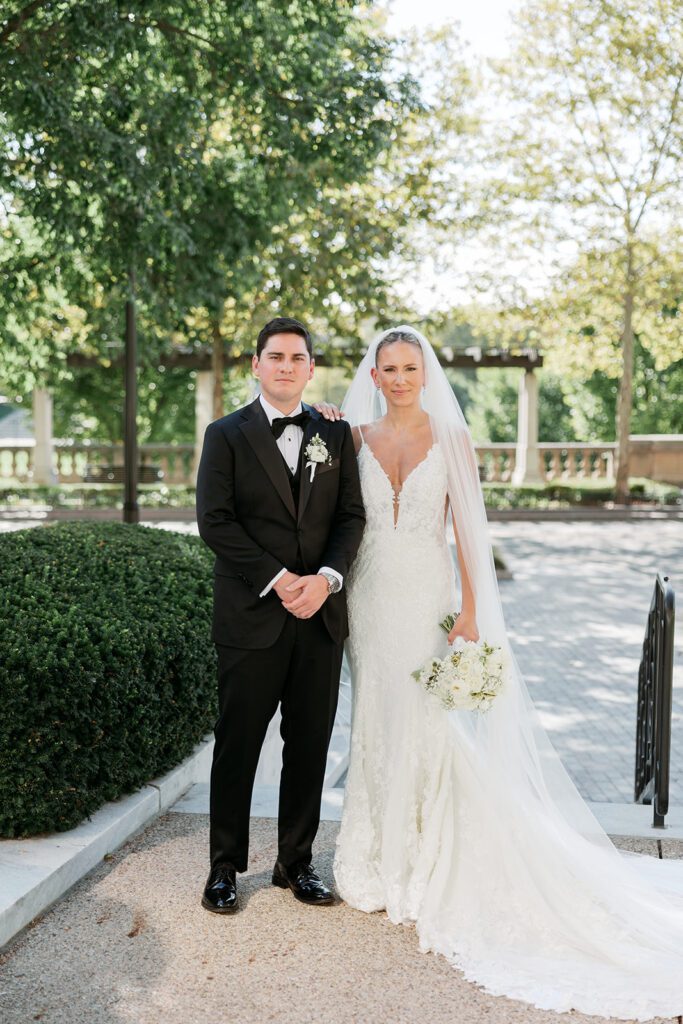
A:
[231,163]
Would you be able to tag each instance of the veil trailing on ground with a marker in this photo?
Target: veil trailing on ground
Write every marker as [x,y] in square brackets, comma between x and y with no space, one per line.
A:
[599,922]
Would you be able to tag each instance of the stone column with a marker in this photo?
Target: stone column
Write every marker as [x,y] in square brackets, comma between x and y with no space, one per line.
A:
[526,469]
[203,414]
[43,453]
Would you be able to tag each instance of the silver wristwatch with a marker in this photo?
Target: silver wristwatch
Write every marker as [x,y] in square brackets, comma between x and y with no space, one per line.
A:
[333,584]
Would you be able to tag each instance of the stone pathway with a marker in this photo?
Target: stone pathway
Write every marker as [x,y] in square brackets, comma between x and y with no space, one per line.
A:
[576,612]
[130,944]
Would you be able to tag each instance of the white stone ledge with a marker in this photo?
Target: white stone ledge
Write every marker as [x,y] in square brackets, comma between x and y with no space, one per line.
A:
[35,872]
[635,820]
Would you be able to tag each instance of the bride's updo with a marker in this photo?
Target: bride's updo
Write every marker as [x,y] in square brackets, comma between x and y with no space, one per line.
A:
[394,336]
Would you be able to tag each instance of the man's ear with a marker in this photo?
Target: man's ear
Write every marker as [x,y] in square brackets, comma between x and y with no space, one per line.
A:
[254,364]
[311,368]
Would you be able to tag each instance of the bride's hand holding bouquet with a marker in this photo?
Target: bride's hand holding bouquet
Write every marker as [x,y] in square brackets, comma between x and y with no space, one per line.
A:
[471,675]
[463,623]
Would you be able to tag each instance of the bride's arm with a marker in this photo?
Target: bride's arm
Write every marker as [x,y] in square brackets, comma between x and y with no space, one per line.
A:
[466,622]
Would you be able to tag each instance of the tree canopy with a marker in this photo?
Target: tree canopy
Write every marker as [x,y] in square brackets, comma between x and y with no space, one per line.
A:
[174,144]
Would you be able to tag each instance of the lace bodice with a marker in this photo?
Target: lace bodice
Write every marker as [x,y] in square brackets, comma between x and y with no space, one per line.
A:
[420,504]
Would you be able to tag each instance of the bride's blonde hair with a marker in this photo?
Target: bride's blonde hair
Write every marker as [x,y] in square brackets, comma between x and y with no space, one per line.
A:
[394,336]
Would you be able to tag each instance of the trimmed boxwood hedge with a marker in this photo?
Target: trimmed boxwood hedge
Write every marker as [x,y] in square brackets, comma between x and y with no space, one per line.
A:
[107,670]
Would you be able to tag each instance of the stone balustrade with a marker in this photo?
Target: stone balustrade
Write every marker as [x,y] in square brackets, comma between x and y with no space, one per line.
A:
[556,461]
[577,461]
[656,457]
[75,462]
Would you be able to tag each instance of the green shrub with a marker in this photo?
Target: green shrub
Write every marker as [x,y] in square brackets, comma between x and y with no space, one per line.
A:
[107,670]
[565,494]
[16,495]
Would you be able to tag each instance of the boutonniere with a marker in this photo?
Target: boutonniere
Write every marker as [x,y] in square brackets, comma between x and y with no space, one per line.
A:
[316,451]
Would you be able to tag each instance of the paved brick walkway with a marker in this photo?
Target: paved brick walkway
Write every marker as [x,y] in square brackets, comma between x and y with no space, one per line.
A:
[576,613]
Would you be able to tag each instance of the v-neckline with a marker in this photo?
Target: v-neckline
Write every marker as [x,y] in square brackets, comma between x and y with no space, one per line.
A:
[397,494]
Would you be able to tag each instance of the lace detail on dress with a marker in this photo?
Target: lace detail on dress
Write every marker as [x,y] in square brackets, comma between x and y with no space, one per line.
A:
[396,496]
[394,627]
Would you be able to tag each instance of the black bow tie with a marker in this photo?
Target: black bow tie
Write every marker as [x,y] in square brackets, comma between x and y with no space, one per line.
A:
[279,424]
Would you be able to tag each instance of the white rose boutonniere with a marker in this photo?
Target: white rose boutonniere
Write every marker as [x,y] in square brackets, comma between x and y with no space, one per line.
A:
[316,452]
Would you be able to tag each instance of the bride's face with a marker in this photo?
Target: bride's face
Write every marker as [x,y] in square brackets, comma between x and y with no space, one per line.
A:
[399,373]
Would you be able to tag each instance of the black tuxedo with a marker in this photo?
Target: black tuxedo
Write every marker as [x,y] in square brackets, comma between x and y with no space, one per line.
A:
[257,519]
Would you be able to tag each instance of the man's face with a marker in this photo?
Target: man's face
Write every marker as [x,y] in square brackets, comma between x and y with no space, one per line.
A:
[284,368]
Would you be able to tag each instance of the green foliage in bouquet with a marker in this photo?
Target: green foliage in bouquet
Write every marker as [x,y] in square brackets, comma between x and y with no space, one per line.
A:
[107,670]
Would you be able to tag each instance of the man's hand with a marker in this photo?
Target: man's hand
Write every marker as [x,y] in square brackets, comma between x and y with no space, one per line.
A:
[306,596]
[288,580]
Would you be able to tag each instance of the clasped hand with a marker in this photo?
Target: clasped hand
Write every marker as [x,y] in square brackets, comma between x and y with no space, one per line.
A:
[302,596]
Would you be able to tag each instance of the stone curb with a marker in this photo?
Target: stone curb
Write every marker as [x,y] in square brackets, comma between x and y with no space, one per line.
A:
[619,514]
[620,821]
[35,872]
[153,515]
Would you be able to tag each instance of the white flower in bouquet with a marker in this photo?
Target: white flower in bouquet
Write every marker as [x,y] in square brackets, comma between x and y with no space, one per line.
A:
[469,677]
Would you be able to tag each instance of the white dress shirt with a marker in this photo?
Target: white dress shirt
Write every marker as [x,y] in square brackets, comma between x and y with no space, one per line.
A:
[289,443]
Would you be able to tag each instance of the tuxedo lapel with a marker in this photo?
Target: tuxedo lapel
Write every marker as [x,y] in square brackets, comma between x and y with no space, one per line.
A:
[316,425]
[256,429]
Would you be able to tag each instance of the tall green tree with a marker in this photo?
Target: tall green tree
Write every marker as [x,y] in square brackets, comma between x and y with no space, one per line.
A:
[586,154]
[167,144]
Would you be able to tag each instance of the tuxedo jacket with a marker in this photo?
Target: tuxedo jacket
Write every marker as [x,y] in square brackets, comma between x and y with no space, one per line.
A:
[247,515]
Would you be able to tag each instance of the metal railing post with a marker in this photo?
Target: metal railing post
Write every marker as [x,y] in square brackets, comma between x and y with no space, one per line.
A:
[655,685]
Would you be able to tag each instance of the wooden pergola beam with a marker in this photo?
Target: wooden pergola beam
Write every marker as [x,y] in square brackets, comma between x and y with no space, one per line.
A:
[193,359]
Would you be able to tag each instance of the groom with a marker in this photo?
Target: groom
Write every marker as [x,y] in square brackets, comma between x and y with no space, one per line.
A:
[279,503]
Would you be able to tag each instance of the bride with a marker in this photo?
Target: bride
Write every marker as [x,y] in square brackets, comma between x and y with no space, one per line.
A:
[466,823]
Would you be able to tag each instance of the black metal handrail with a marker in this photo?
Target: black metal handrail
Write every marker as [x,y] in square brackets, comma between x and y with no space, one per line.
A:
[655,682]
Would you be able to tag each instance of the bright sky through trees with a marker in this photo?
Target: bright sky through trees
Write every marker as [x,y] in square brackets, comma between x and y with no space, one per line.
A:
[485,24]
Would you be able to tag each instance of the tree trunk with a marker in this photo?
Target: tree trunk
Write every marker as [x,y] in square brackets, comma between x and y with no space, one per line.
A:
[217,365]
[625,396]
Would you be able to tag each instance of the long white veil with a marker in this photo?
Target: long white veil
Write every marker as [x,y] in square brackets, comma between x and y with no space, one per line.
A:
[512,726]
[619,916]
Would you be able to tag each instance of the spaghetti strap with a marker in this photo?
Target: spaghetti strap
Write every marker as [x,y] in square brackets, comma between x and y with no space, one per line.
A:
[361,434]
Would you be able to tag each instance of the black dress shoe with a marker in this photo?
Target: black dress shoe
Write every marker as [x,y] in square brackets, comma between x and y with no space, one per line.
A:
[306,885]
[220,892]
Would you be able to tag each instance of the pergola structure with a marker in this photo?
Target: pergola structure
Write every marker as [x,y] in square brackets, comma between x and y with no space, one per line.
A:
[528,359]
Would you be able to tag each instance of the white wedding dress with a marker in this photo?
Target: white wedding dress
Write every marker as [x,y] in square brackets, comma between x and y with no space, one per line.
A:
[505,888]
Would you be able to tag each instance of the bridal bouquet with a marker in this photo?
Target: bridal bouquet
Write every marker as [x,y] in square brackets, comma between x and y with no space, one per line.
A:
[469,678]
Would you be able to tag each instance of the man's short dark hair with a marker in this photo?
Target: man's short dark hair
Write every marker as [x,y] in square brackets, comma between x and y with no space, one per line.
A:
[283,325]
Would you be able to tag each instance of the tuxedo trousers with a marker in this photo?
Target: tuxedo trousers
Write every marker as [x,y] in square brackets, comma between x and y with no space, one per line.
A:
[300,672]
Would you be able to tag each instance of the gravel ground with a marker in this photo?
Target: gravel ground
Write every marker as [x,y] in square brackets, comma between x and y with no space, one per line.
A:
[130,943]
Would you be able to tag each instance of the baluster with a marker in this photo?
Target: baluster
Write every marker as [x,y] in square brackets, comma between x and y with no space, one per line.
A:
[571,463]
[22,463]
[580,462]
[608,463]
[556,464]
[188,462]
